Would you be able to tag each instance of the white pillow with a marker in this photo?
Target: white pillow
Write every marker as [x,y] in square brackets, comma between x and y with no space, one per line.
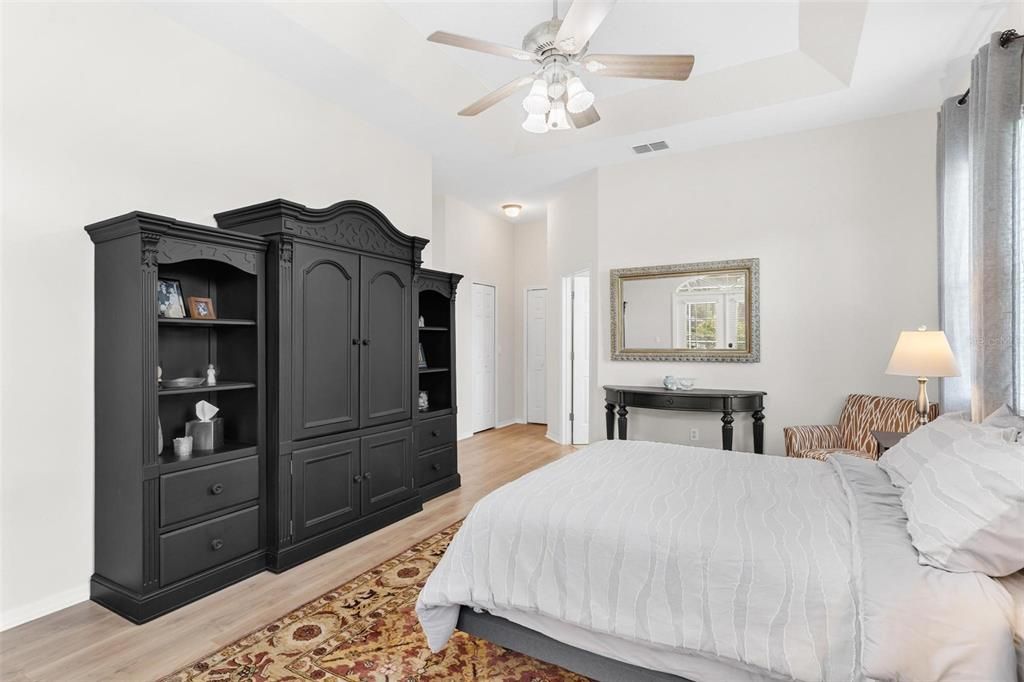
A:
[904,460]
[965,508]
[1004,417]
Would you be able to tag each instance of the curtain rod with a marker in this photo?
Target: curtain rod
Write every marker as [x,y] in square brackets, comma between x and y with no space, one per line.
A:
[1005,38]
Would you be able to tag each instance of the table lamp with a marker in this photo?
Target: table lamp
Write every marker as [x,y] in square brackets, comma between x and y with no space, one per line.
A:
[922,354]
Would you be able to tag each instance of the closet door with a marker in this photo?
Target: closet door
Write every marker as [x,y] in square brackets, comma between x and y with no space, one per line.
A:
[325,334]
[385,362]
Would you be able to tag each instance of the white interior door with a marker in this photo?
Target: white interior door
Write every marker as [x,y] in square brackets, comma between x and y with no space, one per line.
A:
[483,357]
[581,359]
[536,360]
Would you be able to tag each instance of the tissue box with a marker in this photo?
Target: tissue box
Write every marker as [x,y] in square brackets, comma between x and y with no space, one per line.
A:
[206,435]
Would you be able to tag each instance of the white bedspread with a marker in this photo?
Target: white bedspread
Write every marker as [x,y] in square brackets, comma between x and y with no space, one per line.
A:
[790,567]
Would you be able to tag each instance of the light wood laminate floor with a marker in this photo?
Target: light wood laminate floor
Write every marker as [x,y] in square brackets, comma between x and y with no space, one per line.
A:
[87,642]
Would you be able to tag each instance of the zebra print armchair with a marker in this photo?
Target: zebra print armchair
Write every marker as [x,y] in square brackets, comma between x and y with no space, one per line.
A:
[861,415]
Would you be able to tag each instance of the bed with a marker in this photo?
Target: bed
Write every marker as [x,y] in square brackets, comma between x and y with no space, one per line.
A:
[705,565]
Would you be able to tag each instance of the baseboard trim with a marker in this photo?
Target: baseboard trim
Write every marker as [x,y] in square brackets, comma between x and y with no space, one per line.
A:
[11,618]
[464,435]
[507,422]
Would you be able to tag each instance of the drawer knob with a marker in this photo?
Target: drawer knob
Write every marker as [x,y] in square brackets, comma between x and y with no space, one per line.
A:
[435,433]
[216,488]
[435,466]
[216,544]
[668,401]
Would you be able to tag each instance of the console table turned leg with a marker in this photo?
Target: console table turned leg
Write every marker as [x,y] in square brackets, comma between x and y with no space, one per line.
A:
[609,420]
[758,431]
[622,421]
[727,421]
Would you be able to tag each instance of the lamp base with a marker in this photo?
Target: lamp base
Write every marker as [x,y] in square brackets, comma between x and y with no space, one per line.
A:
[922,400]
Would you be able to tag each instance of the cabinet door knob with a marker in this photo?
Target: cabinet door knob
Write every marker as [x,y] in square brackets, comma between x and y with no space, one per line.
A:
[355,342]
[357,478]
[216,544]
[436,466]
[366,342]
[216,488]
[368,475]
[435,433]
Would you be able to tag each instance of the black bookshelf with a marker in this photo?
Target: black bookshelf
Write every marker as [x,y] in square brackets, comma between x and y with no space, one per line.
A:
[171,529]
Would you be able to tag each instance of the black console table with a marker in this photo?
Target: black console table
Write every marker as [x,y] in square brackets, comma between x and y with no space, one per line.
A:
[694,400]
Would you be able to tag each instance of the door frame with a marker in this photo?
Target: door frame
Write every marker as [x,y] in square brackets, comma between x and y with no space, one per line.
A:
[526,347]
[566,399]
[494,349]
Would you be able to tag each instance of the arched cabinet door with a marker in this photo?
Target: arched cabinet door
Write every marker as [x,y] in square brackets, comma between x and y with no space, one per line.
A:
[386,347]
[325,338]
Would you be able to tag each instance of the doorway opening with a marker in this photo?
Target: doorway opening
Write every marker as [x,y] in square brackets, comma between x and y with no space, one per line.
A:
[576,358]
[484,384]
[535,351]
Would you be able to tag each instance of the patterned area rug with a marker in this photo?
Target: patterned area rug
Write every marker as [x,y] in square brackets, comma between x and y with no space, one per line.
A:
[367,630]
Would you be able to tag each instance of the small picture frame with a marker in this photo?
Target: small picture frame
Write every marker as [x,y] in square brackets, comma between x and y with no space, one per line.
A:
[169,300]
[424,401]
[423,358]
[200,308]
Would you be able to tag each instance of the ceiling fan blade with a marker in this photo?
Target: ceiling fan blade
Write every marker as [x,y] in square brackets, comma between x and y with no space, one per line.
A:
[584,118]
[492,98]
[668,67]
[467,43]
[582,19]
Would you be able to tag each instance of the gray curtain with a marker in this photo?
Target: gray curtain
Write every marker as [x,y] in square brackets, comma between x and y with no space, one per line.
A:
[979,156]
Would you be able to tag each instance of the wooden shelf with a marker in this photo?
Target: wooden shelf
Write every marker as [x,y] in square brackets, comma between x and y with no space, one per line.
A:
[433,329]
[431,370]
[189,322]
[434,412]
[231,450]
[221,386]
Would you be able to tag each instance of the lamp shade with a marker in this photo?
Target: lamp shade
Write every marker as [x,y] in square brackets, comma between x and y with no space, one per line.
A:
[537,101]
[536,123]
[923,354]
[580,99]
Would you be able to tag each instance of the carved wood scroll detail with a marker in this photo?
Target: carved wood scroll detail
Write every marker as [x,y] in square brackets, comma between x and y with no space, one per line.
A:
[353,232]
[174,250]
[150,244]
[429,284]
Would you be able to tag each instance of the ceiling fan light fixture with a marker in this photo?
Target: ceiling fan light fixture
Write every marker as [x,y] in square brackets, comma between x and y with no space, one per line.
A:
[537,102]
[535,123]
[512,210]
[579,98]
[557,120]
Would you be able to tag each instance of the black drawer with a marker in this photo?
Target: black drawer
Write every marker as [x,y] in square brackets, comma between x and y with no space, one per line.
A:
[194,549]
[188,494]
[436,465]
[433,433]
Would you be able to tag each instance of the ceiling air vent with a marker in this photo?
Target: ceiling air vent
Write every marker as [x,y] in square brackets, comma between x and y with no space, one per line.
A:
[650,147]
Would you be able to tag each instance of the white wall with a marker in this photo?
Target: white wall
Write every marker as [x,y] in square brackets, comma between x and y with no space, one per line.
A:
[531,267]
[572,242]
[843,220]
[481,247]
[107,109]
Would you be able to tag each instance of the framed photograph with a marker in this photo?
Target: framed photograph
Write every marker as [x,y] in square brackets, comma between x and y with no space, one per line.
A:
[200,308]
[423,357]
[169,301]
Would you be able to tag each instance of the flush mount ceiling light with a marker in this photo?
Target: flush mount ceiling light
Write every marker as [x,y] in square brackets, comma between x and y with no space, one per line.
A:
[513,210]
[559,47]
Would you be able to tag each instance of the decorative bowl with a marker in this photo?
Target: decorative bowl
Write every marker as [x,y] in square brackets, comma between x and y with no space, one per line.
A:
[183,382]
[685,383]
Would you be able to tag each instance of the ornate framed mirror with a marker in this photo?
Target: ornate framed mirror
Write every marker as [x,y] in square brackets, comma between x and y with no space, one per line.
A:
[697,312]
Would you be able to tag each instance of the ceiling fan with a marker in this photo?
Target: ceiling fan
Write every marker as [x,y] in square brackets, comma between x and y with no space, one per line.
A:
[558,99]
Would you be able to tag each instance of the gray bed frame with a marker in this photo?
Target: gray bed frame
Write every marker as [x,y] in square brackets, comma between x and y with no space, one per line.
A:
[512,636]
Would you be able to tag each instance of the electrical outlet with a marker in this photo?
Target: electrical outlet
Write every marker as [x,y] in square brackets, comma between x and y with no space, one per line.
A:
[694,434]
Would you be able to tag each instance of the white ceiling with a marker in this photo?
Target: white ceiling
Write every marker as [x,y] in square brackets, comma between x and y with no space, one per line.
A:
[762,68]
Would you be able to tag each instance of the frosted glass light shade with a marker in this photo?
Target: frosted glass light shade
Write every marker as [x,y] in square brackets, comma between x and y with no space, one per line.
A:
[557,120]
[537,101]
[580,99]
[535,123]
[923,354]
